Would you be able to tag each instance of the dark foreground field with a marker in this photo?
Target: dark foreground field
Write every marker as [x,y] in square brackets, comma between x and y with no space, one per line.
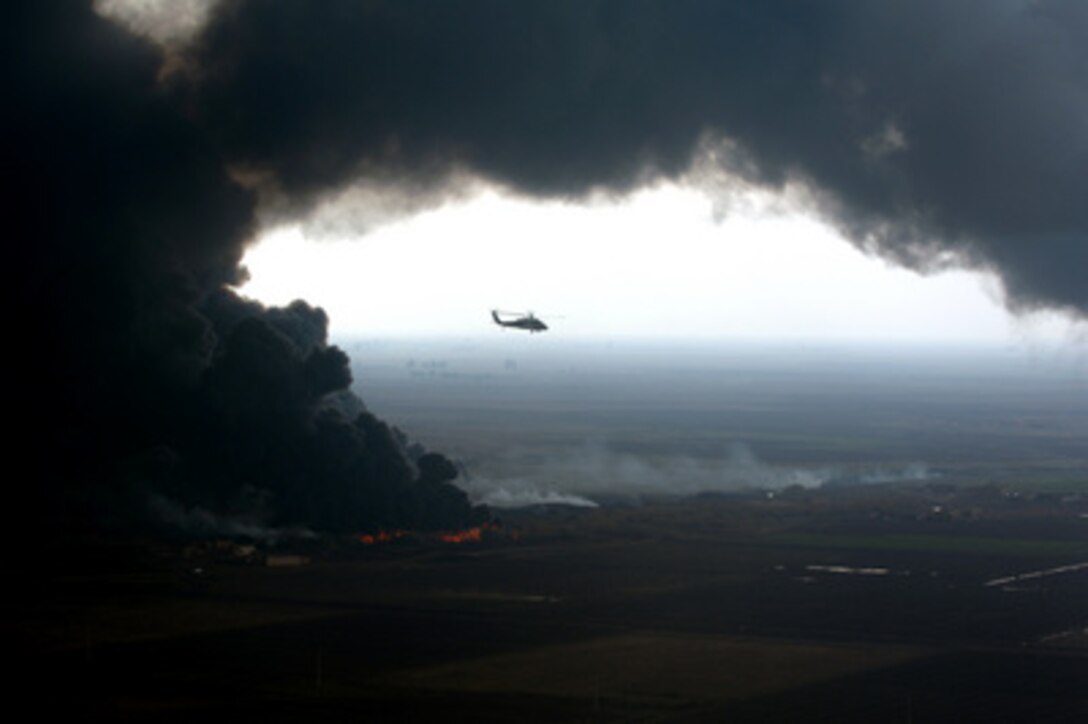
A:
[869,605]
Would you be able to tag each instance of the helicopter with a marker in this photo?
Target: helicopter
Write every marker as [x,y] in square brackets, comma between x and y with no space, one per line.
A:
[522,321]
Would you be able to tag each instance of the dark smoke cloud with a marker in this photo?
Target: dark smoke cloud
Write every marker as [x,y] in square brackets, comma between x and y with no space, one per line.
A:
[142,390]
[121,219]
[926,130]
[266,420]
[930,131]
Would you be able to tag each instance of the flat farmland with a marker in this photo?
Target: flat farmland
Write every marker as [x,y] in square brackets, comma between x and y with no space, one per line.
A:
[732,608]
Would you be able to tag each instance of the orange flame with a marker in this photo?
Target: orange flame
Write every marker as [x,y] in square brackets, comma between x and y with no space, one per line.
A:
[468,535]
[382,536]
[461,536]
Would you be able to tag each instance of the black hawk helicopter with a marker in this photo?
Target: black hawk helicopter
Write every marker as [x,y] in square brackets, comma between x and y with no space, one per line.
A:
[520,321]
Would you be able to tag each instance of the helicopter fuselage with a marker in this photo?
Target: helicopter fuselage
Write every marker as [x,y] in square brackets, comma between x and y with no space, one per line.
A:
[526,322]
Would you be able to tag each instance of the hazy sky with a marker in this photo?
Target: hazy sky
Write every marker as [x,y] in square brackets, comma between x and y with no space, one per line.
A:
[656,264]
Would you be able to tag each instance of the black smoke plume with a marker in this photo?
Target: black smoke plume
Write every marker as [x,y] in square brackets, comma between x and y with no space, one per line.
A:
[141,383]
[931,131]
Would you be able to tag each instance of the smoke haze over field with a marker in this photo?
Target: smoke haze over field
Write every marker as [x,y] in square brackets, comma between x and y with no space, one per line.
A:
[932,133]
[594,472]
[622,420]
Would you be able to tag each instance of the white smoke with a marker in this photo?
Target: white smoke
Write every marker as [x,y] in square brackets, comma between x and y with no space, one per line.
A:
[164,21]
[593,472]
[521,494]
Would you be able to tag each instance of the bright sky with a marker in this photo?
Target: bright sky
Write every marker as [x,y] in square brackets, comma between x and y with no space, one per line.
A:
[656,264]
